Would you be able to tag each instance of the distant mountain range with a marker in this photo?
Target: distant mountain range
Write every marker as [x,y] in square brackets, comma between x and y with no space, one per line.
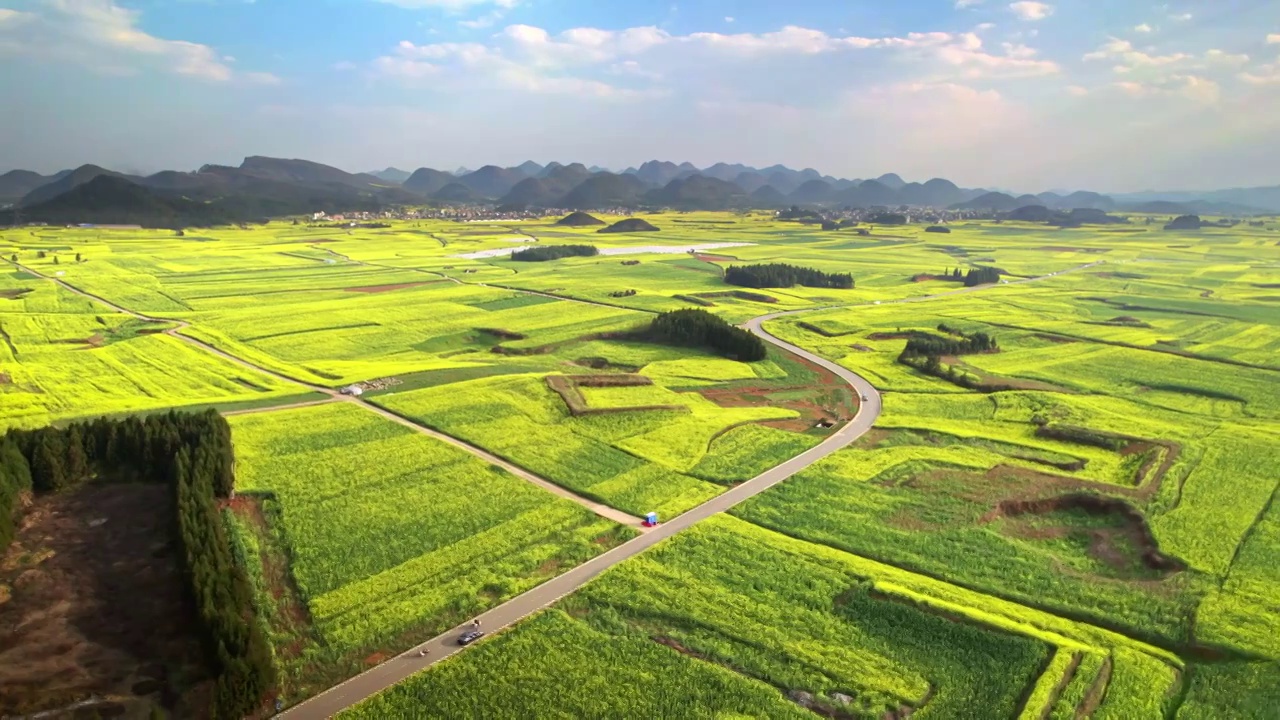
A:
[263,187]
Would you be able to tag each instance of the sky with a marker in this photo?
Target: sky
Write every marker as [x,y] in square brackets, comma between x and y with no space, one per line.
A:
[1106,95]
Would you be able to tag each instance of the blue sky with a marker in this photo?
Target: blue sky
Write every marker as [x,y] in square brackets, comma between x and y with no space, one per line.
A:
[1110,95]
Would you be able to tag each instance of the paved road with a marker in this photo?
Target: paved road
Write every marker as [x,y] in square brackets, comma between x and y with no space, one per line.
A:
[598,508]
[442,646]
[373,681]
[348,693]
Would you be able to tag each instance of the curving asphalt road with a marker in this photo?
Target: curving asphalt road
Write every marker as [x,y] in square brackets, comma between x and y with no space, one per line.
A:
[352,691]
[362,686]
[395,670]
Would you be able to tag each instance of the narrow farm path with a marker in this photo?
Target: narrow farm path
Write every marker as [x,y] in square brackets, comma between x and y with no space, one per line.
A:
[598,508]
[348,693]
[395,670]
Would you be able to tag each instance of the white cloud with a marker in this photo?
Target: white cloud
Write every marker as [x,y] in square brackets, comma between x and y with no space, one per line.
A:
[1143,28]
[962,4]
[1273,39]
[1077,90]
[1180,17]
[1031,10]
[1219,57]
[1192,87]
[1130,60]
[728,18]
[344,65]
[104,37]
[1263,77]
[263,78]
[632,62]
[1123,50]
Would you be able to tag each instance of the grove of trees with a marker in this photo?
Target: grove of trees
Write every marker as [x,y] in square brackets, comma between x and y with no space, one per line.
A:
[553,252]
[191,453]
[981,276]
[698,328]
[782,275]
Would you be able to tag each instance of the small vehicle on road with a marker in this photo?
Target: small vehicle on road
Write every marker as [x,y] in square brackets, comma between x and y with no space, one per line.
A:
[469,637]
[864,398]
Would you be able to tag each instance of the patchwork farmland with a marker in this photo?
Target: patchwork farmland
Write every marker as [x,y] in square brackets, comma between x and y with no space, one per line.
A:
[1064,508]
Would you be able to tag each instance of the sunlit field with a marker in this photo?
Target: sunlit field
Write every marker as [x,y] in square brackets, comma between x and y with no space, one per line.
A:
[1075,522]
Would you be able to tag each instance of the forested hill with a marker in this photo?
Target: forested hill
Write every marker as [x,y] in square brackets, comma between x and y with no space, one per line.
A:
[267,187]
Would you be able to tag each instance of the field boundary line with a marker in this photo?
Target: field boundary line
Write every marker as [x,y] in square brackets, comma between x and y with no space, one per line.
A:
[598,508]
[356,689]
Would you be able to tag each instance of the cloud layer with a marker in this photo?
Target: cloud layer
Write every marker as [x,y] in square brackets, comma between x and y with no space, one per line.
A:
[1014,93]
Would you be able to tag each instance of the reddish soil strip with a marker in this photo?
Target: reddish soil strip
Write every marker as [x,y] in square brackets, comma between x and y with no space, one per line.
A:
[389,288]
[811,411]
[1134,527]
[97,607]
[715,258]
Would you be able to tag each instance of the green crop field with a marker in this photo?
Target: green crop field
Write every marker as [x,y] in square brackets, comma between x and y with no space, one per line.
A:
[1077,521]
[731,619]
[391,536]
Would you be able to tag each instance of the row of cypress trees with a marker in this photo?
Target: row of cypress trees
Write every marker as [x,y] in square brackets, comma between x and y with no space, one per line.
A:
[15,480]
[192,453]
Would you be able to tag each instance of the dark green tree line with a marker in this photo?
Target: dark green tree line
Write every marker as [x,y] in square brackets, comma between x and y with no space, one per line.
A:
[981,276]
[698,328]
[192,453]
[782,275]
[553,252]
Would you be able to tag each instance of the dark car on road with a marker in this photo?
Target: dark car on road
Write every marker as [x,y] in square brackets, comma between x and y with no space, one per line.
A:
[469,637]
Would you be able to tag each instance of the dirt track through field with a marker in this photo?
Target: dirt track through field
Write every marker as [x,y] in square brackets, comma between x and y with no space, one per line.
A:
[396,669]
[336,396]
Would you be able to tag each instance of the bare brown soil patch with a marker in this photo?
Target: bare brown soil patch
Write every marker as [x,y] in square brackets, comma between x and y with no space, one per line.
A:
[97,606]
[862,348]
[388,288]
[829,403]
[1106,544]
[5,379]
[14,293]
